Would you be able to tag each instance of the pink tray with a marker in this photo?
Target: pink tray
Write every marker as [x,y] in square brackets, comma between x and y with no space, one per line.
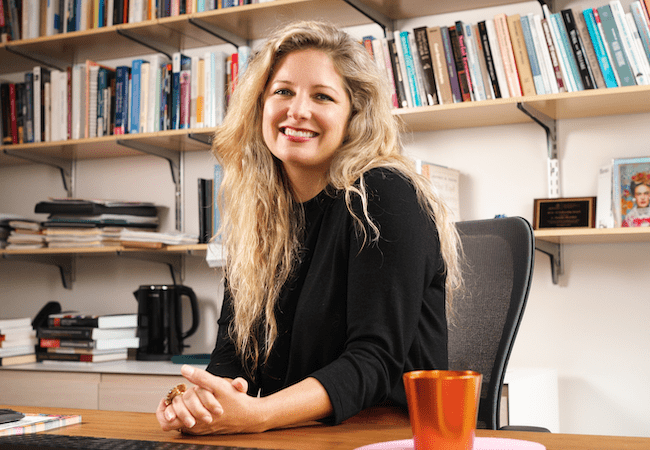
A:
[480,443]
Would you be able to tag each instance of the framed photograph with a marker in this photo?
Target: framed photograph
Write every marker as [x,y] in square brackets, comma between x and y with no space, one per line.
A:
[574,212]
[631,192]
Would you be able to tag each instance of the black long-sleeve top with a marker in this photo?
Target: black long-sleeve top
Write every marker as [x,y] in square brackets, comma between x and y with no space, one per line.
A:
[355,316]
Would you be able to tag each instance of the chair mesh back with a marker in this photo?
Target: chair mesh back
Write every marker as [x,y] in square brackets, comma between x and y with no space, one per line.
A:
[485,316]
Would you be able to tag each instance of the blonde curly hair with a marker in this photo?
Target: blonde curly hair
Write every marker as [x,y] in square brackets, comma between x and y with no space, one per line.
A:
[262,221]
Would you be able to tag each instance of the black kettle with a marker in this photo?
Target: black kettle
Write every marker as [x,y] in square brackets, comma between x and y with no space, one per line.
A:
[160,320]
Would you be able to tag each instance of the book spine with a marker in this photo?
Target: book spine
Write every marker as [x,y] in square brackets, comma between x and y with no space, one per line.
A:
[474,64]
[509,64]
[460,57]
[451,65]
[72,322]
[440,65]
[29,103]
[397,73]
[424,52]
[553,54]
[200,94]
[522,60]
[613,39]
[565,54]
[578,49]
[121,94]
[65,333]
[489,58]
[627,42]
[136,73]
[384,53]
[176,91]
[487,81]
[497,58]
[145,79]
[409,64]
[102,82]
[13,113]
[641,21]
[66,343]
[185,92]
[535,69]
[588,50]
[543,58]
[599,49]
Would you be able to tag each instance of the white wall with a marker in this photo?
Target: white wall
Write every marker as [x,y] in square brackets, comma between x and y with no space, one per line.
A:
[591,328]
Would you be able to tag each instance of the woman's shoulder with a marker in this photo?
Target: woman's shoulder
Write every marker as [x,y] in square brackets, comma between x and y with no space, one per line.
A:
[386,183]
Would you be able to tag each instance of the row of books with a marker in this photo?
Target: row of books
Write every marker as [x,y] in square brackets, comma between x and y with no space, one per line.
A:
[86,338]
[27,19]
[517,55]
[17,341]
[93,100]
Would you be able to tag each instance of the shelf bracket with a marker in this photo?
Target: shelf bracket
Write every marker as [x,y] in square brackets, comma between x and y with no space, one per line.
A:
[65,264]
[383,21]
[65,167]
[173,261]
[174,159]
[220,33]
[554,252]
[160,47]
[550,127]
[202,138]
[38,58]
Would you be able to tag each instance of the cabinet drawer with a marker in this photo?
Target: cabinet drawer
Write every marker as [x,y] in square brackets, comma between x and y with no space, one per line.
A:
[137,393]
[55,389]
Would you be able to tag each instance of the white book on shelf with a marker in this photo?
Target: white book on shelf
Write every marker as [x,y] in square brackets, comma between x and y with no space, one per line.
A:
[145,81]
[52,17]
[92,101]
[544,54]
[473,62]
[638,46]
[628,43]
[155,88]
[604,210]
[219,87]
[209,86]
[109,12]
[78,100]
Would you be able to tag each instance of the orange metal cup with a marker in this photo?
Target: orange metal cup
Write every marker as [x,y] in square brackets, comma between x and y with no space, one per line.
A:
[443,408]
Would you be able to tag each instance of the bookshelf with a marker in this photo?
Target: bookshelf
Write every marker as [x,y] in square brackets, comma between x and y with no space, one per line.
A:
[241,25]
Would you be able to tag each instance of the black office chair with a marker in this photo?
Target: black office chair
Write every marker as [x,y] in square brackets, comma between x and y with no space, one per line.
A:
[497,271]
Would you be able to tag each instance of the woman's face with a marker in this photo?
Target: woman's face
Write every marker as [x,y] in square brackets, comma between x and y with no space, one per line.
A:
[642,195]
[306,111]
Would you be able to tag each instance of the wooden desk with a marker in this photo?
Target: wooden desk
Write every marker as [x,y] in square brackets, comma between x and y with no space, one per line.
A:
[375,425]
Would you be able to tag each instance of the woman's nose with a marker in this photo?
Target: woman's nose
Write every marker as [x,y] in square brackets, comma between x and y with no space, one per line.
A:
[299,108]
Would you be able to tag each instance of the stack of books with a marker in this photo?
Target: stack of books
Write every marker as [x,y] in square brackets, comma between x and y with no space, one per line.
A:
[93,223]
[87,338]
[17,341]
[25,234]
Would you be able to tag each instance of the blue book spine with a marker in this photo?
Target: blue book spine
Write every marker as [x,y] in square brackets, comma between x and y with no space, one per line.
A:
[410,68]
[176,91]
[620,61]
[532,56]
[570,60]
[102,84]
[599,48]
[121,99]
[641,21]
[136,68]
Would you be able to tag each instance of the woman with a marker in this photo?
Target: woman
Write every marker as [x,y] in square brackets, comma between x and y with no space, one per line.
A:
[341,259]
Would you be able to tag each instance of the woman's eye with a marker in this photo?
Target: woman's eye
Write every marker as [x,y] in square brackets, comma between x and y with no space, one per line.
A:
[282,91]
[324,97]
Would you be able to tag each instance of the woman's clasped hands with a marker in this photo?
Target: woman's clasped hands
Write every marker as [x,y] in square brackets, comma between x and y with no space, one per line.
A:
[213,405]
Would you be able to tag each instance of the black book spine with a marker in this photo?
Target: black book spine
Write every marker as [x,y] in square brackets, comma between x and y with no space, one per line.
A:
[489,59]
[424,52]
[578,49]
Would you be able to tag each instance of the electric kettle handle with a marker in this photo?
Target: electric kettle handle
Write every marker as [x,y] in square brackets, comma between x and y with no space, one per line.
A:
[185,290]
